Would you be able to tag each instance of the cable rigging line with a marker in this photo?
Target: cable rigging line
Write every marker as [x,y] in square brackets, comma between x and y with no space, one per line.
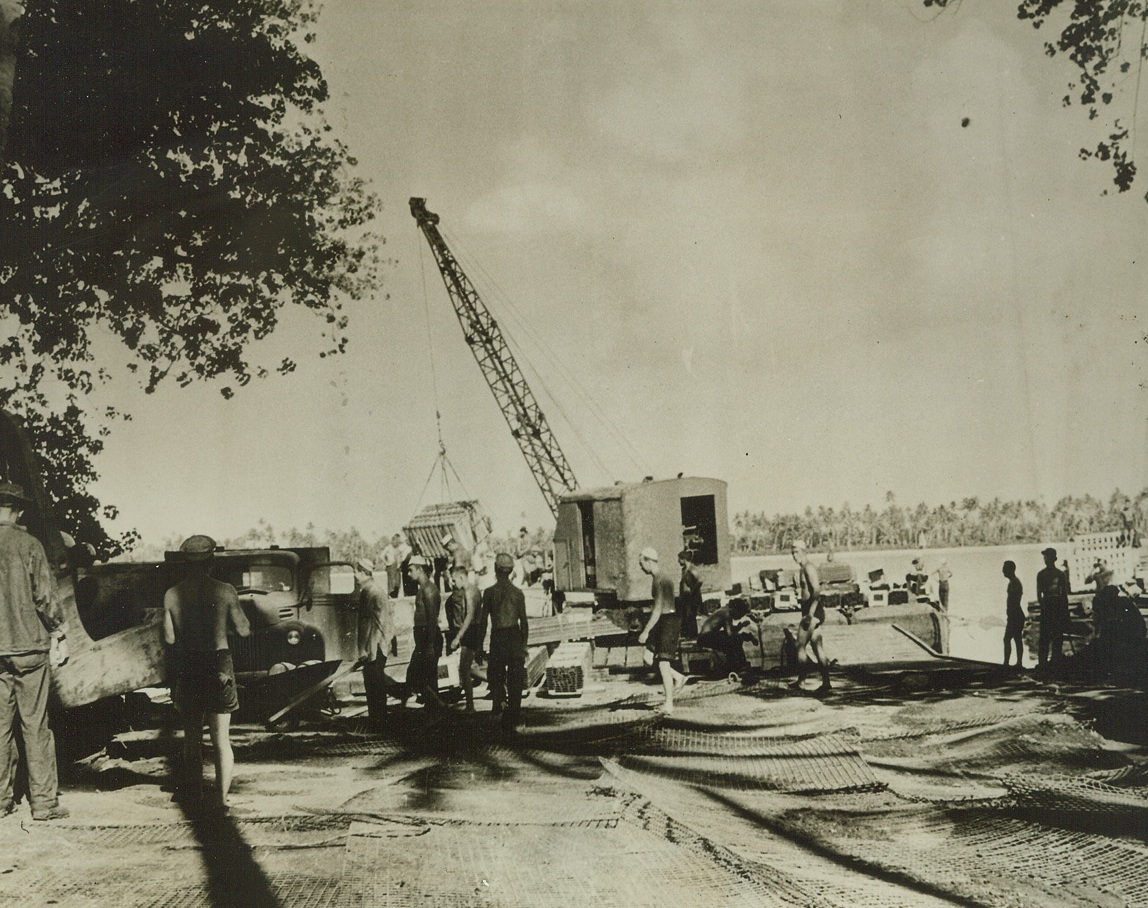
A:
[441,463]
[629,449]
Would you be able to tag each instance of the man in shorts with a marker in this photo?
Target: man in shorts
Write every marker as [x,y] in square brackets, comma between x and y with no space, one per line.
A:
[1014,615]
[664,627]
[196,615]
[1052,594]
[812,618]
[505,606]
[466,628]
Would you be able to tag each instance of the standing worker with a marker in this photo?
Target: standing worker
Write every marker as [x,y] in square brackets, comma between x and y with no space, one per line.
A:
[422,672]
[944,575]
[1014,615]
[377,639]
[505,606]
[32,638]
[664,628]
[392,564]
[1052,594]
[196,613]
[466,628]
[689,595]
[812,618]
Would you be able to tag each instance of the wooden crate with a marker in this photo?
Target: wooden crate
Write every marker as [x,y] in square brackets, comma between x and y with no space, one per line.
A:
[568,669]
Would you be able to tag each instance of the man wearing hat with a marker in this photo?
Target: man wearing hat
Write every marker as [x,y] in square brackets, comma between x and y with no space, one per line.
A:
[196,615]
[664,628]
[1052,595]
[422,672]
[505,606]
[31,638]
[377,639]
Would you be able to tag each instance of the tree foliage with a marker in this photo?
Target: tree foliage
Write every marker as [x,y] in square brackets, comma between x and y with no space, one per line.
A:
[1105,41]
[170,185]
[969,521]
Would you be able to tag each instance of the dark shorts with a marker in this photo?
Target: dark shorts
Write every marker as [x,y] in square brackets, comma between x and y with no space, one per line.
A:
[474,636]
[206,684]
[666,637]
[809,621]
[1015,623]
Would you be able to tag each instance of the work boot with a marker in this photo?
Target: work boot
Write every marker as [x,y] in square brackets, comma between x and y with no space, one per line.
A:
[825,689]
[6,809]
[55,813]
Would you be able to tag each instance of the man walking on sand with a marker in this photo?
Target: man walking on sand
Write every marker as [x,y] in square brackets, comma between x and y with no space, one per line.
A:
[505,606]
[196,614]
[31,639]
[812,618]
[664,627]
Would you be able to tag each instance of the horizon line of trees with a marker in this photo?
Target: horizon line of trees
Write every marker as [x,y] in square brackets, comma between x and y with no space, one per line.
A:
[344,545]
[967,522]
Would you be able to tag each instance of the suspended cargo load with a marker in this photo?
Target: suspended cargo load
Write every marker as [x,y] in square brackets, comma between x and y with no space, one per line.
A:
[463,521]
[601,532]
[1119,552]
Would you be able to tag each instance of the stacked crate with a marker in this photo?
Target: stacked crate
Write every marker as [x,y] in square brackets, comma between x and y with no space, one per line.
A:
[568,669]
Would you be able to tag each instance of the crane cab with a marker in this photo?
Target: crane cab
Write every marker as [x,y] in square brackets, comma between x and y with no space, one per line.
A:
[600,533]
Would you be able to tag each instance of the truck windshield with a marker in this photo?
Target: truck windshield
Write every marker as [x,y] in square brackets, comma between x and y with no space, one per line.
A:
[270,578]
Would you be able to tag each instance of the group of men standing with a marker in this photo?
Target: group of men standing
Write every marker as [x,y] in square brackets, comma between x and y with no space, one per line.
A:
[1052,595]
[500,606]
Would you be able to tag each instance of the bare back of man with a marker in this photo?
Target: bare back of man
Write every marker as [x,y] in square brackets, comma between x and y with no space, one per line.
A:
[197,613]
[199,608]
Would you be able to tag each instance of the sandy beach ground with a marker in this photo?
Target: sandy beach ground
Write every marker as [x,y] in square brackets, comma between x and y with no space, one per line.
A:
[916,784]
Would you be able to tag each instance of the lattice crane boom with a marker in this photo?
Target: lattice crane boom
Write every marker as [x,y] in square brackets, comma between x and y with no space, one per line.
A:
[519,407]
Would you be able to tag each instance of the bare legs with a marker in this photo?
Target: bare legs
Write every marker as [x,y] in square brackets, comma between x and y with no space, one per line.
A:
[1010,636]
[809,637]
[218,727]
[672,679]
[466,679]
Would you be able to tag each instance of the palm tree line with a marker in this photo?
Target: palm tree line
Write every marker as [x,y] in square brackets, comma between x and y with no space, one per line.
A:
[967,522]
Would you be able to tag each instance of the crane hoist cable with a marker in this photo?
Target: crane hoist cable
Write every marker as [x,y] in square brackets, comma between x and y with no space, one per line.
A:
[524,417]
[636,457]
[441,463]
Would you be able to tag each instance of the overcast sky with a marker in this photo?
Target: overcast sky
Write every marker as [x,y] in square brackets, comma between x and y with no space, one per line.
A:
[821,250]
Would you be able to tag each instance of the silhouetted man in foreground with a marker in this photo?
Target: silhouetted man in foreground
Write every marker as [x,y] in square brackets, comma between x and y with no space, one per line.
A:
[196,614]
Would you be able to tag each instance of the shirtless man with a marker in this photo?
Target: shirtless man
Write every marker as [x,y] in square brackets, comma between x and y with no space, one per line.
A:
[196,613]
[664,628]
[505,606]
[812,618]
[466,628]
[1052,594]
[1014,615]
[422,672]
